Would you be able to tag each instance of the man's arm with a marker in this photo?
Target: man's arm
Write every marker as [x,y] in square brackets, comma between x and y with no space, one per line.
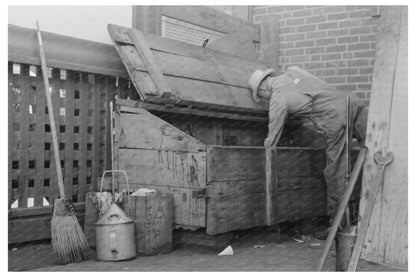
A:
[277,119]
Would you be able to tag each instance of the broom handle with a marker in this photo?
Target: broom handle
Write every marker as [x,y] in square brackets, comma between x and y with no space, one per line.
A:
[342,206]
[51,115]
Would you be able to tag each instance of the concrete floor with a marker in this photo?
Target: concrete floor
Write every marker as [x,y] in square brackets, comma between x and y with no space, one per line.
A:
[254,250]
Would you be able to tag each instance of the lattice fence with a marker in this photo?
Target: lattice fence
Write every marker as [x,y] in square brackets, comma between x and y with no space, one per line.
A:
[82,117]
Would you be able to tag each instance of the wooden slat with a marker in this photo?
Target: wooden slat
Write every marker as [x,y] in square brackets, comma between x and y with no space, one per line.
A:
[189,212]
[207,17]
[157,43]
[295,162]
[189,111]
[164,167]
[148,60]
[234,212]
[83,124]
[63,52]
[39,138]
[235,163]
[24,135]
[134,132]
[269,43]
[387,235]
[238,43]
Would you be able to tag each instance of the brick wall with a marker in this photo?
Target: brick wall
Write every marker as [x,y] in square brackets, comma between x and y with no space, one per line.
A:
[335,43]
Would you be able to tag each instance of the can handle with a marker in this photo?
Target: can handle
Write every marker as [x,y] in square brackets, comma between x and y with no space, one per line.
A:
[112,187]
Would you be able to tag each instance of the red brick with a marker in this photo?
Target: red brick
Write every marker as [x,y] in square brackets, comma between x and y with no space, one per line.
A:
[347,71]
[295,37]
[305,43]
[284,59]
[364,87]
[315,19]
[325,41]
[360,14]
[259,11]
[306,28]
[336,48]
[333,56]
[360,94]
[357,79]
[333,9]
[337,16]
[335,80]
[258,18]
[286,44]
[348,39]
[358,63]
[301,13]
[347,55]
[314,50]
[318,11]
[275,9]
[329,25]
[325,72]
[296,21]
[299,59]
[360,30]
[350,23]
[368,38]
[314,65]
[349,7]
[294,8]
[366,70]
[330,64]
[317,34]
[295,52]
[337,32]
[285,30]
[359,46]
[349,87]
[315,58]
[365,54]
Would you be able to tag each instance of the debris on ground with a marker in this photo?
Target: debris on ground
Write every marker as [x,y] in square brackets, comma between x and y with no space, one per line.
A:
[259,246]
[227,251]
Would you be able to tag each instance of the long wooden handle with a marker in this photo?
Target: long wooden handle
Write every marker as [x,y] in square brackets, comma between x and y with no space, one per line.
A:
[342,206]
[51,115]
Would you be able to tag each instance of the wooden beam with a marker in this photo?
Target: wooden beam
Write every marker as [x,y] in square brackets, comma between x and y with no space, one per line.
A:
[238,43]
[147,19]
[148,60]
[64,52]
[207,17]
[269,43]
[189,111]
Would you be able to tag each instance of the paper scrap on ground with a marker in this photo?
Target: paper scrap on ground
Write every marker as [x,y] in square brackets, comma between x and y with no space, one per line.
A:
[259,246]
[143,192]
[227,251]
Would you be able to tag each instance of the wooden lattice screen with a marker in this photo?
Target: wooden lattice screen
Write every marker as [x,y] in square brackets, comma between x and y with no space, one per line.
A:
[81,108]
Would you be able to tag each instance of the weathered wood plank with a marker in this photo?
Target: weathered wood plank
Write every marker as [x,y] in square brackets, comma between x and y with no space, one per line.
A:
[208,18]
[148,60]
[238,43]
[146,131]
[235,163]
[189,111]
[189,212]
[387,235]
[269,43]
[295,162]
[233,212]
[164,167]
[223,188]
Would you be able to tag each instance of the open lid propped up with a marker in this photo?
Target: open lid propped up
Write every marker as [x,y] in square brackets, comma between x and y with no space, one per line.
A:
[172,72]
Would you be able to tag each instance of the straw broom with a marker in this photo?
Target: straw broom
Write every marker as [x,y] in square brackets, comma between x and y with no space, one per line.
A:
[68,240]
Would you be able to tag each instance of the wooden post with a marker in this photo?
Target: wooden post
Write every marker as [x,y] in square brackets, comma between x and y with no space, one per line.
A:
[271,178]
[269,43]
[386,239]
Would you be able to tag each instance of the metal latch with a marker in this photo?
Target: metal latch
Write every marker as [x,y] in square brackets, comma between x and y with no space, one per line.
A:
[199,193]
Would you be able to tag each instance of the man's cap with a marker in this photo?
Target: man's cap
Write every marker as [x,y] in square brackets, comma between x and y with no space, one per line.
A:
[255,80]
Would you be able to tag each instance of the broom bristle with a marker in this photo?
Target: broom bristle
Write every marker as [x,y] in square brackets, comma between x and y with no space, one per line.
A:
[68,241]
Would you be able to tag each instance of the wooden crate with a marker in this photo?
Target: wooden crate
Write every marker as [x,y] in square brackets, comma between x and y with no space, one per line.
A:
[153,219]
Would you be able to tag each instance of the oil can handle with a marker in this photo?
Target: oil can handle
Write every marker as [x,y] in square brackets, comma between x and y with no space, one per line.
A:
[112,186]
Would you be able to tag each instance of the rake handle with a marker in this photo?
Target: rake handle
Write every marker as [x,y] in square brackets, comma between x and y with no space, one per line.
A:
[51,115]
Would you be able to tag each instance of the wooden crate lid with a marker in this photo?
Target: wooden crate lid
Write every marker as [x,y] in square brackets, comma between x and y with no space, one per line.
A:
[169,71]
